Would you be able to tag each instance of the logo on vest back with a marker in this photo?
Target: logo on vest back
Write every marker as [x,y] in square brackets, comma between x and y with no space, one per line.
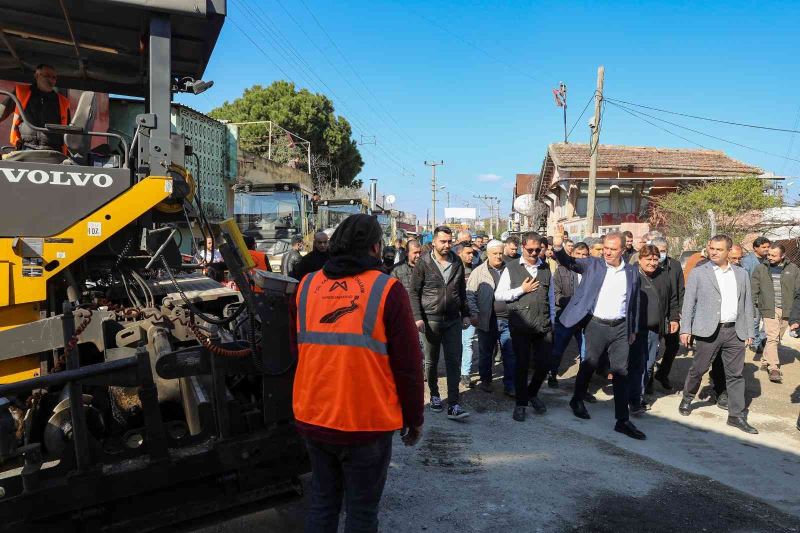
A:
[338,313]
[342,285]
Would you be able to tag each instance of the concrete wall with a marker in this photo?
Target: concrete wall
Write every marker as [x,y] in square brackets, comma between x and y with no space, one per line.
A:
[261,171]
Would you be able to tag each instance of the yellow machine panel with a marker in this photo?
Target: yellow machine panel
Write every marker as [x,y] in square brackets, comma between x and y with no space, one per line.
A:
[28,264]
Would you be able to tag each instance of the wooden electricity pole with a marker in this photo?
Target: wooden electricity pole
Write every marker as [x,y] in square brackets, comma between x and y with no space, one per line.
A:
[593,146]
[433,165]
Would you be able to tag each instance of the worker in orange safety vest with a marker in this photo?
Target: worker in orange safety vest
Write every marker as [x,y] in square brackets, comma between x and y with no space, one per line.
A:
[358,378]
[42,105]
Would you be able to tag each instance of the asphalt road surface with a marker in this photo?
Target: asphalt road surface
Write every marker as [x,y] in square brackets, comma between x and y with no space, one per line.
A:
[557,473]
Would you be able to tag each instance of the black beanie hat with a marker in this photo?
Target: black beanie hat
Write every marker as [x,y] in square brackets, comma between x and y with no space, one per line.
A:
[355,235]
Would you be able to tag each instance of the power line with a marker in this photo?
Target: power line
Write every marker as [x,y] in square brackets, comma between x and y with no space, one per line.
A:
[742,124]
[791,139]
[339,72]
[708,134]
[233,21]
[353,69]
[469,43]
[287,51]
[359,121]
[581,116]
[631,113]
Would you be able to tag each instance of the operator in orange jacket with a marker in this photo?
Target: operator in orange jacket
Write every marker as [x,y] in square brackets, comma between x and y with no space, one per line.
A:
[42,105]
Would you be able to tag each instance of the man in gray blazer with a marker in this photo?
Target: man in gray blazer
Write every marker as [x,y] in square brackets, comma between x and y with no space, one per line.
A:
[718,313]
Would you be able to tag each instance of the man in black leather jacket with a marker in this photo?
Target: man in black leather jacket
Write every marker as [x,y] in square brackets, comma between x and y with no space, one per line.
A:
[292,257]
[439,302]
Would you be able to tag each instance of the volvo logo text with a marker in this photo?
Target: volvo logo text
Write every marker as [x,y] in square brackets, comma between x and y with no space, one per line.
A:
[56,177]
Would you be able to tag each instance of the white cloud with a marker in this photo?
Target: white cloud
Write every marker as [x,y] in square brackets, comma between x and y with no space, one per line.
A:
[489,177]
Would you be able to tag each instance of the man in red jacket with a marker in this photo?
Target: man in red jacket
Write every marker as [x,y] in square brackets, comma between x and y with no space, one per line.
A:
[358,379]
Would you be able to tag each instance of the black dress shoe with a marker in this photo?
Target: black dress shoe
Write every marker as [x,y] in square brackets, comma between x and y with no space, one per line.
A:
[722,400]
[664,380]
[538,405]
[519,413]
[626,427]
[552,381]
[579,409]
[589,398]
[685,408]
[740,422]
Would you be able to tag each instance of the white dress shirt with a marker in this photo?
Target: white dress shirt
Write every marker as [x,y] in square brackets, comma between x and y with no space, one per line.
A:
[729,293]
[610,303]
[504,292]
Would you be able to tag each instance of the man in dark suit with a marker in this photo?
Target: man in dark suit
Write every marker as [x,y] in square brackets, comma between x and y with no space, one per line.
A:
[607,301]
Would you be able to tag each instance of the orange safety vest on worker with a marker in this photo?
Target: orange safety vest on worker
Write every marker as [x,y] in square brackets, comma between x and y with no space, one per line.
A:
[343,379]
[260,259]
[23,93]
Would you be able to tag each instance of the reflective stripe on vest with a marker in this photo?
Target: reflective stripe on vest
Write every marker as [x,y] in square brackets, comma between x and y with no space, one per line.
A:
[23,93]
[343,379]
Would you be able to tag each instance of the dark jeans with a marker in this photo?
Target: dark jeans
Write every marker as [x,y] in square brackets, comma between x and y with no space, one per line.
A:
[671,346]
[359,472]
[642,357]
[561,336]
[444,336]
[612,340]
[487,340]
[726,345]
[530,347]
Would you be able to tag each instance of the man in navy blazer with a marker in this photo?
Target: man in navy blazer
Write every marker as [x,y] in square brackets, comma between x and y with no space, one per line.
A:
[607,302]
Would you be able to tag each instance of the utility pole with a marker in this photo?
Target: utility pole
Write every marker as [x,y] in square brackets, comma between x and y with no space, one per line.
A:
[498,217]
[593,146]
[560,95]
[488,201]
[433,165]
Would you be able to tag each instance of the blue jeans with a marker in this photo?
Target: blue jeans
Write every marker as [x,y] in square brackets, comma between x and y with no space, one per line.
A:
[487,340]
[642,358]
[561,336]
[356,472]
[467,338]
[759,335]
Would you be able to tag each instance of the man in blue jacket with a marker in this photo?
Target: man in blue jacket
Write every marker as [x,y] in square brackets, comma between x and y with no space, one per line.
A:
[607,302]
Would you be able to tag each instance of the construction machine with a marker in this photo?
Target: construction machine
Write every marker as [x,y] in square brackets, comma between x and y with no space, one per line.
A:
[135,391]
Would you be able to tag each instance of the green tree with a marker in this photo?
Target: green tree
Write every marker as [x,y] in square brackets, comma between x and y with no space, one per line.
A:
[685,213]
[309,115]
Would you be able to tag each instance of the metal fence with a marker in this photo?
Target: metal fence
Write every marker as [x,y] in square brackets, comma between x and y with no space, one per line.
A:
[269,140]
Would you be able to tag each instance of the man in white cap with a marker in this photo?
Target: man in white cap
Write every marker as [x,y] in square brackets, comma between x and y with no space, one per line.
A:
[490,318]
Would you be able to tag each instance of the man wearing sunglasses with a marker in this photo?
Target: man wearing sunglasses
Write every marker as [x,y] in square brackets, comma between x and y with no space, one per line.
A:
[524,285]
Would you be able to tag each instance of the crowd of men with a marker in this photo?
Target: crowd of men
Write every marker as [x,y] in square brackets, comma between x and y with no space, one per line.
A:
[623,302]
[359,379]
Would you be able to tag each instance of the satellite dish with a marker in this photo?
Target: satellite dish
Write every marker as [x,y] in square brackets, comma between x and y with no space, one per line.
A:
[389,200]
[526,205]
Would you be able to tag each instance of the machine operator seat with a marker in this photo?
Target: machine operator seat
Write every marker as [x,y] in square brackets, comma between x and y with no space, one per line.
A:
[77,145]
[84,113]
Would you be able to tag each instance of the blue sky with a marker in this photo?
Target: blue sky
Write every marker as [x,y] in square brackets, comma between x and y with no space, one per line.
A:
[470,82]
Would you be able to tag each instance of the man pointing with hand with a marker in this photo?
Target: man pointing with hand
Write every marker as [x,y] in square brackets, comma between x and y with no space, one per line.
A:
[607,302]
